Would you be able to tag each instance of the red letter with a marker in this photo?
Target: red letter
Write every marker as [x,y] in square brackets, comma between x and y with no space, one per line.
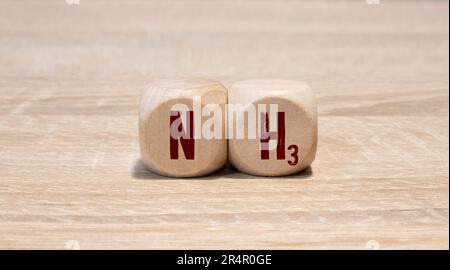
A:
[186,138]
[266,136]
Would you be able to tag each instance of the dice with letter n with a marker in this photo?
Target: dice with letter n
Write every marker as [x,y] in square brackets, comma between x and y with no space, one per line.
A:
[272,126]
[180,131]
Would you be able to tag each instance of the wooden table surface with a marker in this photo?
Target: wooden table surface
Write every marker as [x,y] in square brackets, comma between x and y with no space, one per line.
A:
[70,82]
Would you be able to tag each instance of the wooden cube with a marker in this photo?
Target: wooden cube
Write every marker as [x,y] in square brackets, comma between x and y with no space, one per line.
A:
[286,127]
[170,127]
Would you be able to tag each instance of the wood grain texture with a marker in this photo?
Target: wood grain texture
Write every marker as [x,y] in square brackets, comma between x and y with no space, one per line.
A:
[70,81]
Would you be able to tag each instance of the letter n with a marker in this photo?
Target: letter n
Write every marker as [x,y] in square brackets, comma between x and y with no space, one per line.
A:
[177,133]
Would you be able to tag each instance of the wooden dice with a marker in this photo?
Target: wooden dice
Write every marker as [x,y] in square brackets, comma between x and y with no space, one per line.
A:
[185,124]
[171,123]
[286,129]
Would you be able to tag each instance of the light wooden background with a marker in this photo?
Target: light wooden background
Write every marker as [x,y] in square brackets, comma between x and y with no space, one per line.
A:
[70,81]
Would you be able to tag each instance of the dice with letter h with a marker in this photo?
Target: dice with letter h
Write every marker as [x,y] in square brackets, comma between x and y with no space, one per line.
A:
[191,127]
